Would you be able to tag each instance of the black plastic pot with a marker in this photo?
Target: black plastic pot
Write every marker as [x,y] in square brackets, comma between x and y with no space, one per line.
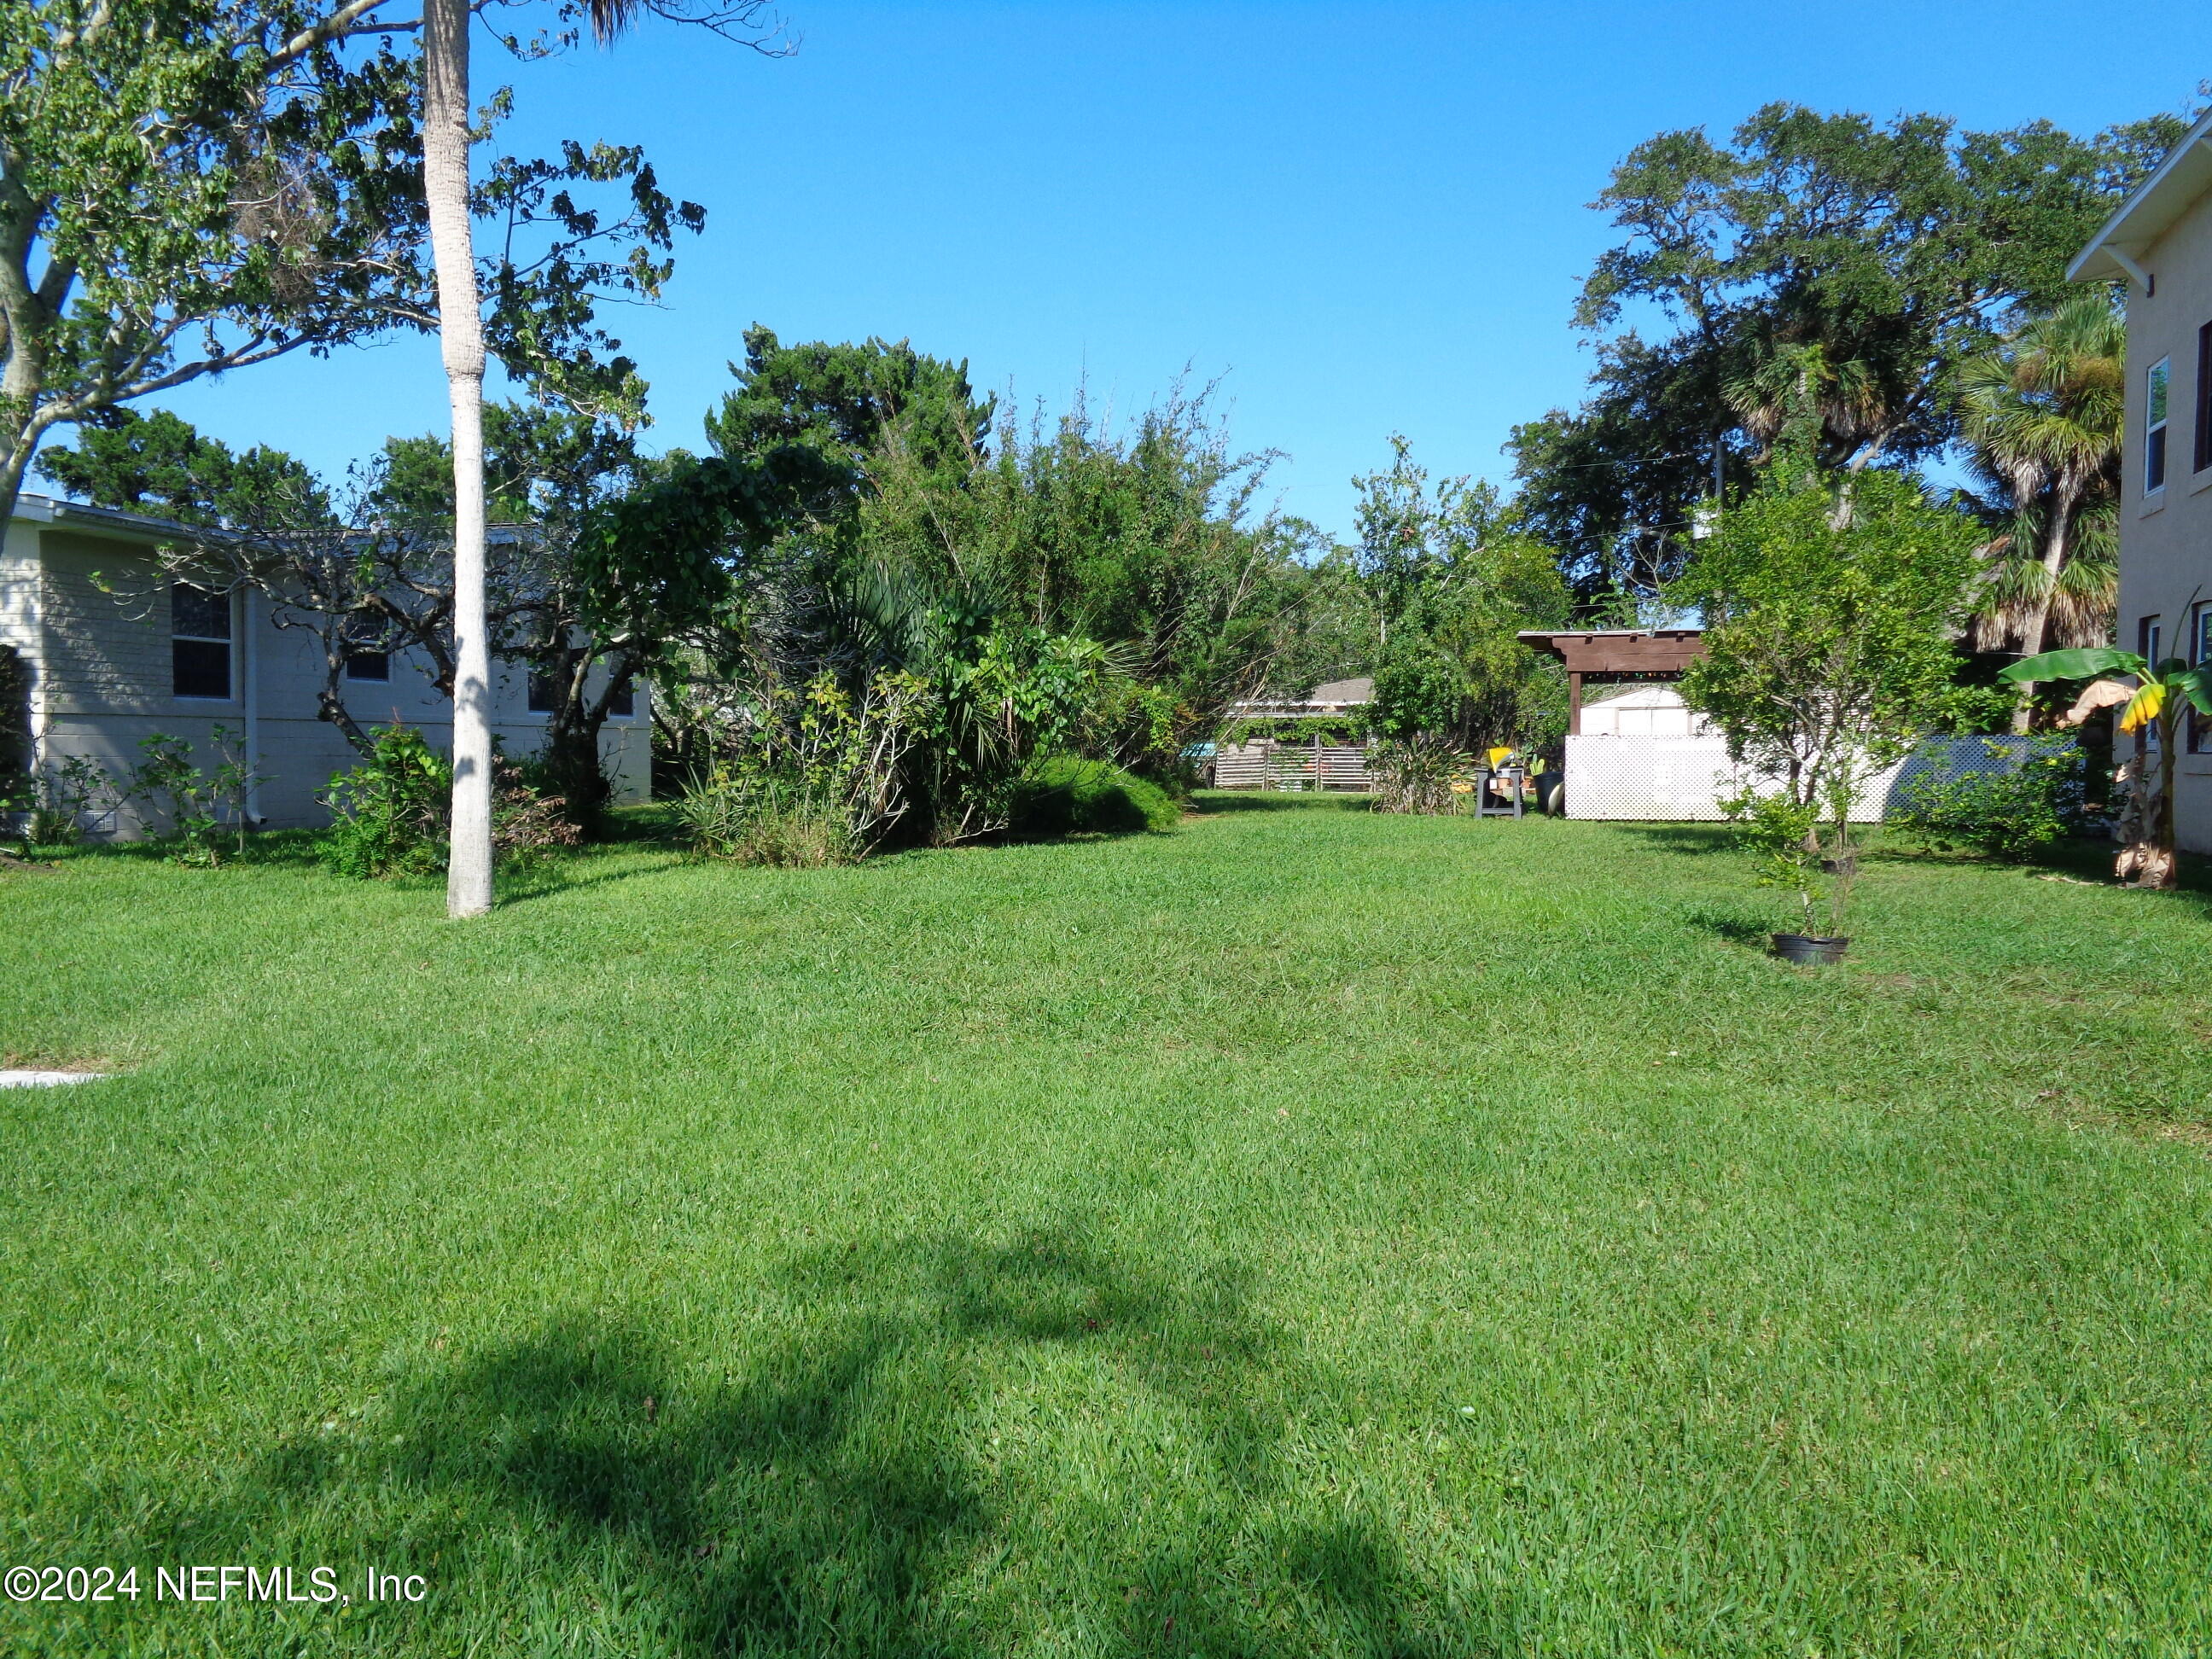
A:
[1806,950]
[1547,793]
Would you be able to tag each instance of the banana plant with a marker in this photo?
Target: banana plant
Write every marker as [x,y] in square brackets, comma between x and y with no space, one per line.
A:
[2159,694]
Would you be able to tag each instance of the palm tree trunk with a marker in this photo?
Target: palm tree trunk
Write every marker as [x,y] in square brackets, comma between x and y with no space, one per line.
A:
[2055,539]
[460,332]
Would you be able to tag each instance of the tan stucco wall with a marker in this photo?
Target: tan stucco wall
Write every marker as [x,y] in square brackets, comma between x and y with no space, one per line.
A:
[2165,537]
[102,681]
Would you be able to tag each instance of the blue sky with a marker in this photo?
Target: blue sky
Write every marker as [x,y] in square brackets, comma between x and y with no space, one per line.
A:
[1365,218]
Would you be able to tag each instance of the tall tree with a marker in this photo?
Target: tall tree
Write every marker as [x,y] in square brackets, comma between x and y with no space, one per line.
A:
[158,464]
[1896,251]
[842,399]
[446,183]
[190,187]
[2043,413]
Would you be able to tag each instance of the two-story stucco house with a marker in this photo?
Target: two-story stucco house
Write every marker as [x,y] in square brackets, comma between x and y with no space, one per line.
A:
[2160,243]
[105,656]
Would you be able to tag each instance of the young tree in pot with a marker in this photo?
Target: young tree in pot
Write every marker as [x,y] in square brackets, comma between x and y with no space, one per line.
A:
[2159,692]
[1830,618]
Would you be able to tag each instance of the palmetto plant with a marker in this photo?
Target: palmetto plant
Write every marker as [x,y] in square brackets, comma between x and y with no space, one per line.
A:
[2160,693]
[2044,414]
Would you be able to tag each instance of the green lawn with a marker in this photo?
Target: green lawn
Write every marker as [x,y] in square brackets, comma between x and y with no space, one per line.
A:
[1312,1232]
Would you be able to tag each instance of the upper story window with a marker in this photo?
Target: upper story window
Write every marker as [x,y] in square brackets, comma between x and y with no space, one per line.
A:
[199,642]
[2161,372]
[543,696]
[368,651]
[623,703]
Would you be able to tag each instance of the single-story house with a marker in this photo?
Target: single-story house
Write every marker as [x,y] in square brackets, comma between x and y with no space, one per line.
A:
[1330,701]
[101,655]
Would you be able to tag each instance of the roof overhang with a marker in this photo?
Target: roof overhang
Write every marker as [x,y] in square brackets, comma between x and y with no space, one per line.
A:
[33,508]
[1642,651]
[2175,185]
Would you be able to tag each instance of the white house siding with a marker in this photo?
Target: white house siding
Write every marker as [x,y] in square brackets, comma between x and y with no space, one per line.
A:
[102,682]
[19,588]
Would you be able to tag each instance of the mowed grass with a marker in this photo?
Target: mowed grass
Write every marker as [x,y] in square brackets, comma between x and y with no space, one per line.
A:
[1310,1233]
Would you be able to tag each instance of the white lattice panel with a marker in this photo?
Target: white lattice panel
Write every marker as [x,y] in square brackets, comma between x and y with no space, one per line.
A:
[1649,778]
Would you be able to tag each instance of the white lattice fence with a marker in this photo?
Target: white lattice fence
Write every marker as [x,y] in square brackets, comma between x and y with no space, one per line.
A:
[1646,779]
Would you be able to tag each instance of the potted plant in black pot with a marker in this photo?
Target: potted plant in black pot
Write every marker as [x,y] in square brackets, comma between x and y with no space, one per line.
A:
[1831,604]
[1814,860]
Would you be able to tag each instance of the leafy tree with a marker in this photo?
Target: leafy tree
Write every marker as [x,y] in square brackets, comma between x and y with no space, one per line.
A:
[158,464]
[1329,626]
[1830,614]
[189,187]
[1143,539]
[846,401]
[2044,414]
[1898,250]
[1453,585]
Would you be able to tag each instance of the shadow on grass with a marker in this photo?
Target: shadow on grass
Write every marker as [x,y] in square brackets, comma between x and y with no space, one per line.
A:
[1211,802]
[1692,838]
[1752,932]
[561,875]
[840,1487]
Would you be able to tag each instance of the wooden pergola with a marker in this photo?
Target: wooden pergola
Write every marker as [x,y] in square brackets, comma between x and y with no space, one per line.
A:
[1607,655]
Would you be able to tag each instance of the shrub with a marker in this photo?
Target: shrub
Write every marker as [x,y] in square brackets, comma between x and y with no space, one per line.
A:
[1414,774]
[391,815]
[195,801]
[1063,795]
[2010,813]
[773,815]
[528,822]
[388,815]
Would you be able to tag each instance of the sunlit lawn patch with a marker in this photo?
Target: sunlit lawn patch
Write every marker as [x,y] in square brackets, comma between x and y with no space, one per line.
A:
[1311,1232]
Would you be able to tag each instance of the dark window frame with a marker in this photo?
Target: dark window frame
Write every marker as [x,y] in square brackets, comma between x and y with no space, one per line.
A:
[368,654]
[193,656]
[2199,739]
[2150,636]
[2158,407]
[2203,456]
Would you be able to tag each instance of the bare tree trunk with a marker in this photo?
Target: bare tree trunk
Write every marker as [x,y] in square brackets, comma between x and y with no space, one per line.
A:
[460,330]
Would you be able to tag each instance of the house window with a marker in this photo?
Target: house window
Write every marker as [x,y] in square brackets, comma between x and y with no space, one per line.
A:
[2149,639]
[2200,649]
[543,698]
[2202,457]
[199,642]
[2155,426]
[623,704]
[368,651]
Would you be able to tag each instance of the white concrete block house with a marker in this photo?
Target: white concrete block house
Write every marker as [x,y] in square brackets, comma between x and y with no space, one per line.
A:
[104,672]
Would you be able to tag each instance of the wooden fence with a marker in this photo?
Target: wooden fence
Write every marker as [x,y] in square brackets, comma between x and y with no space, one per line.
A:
[1303,766]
